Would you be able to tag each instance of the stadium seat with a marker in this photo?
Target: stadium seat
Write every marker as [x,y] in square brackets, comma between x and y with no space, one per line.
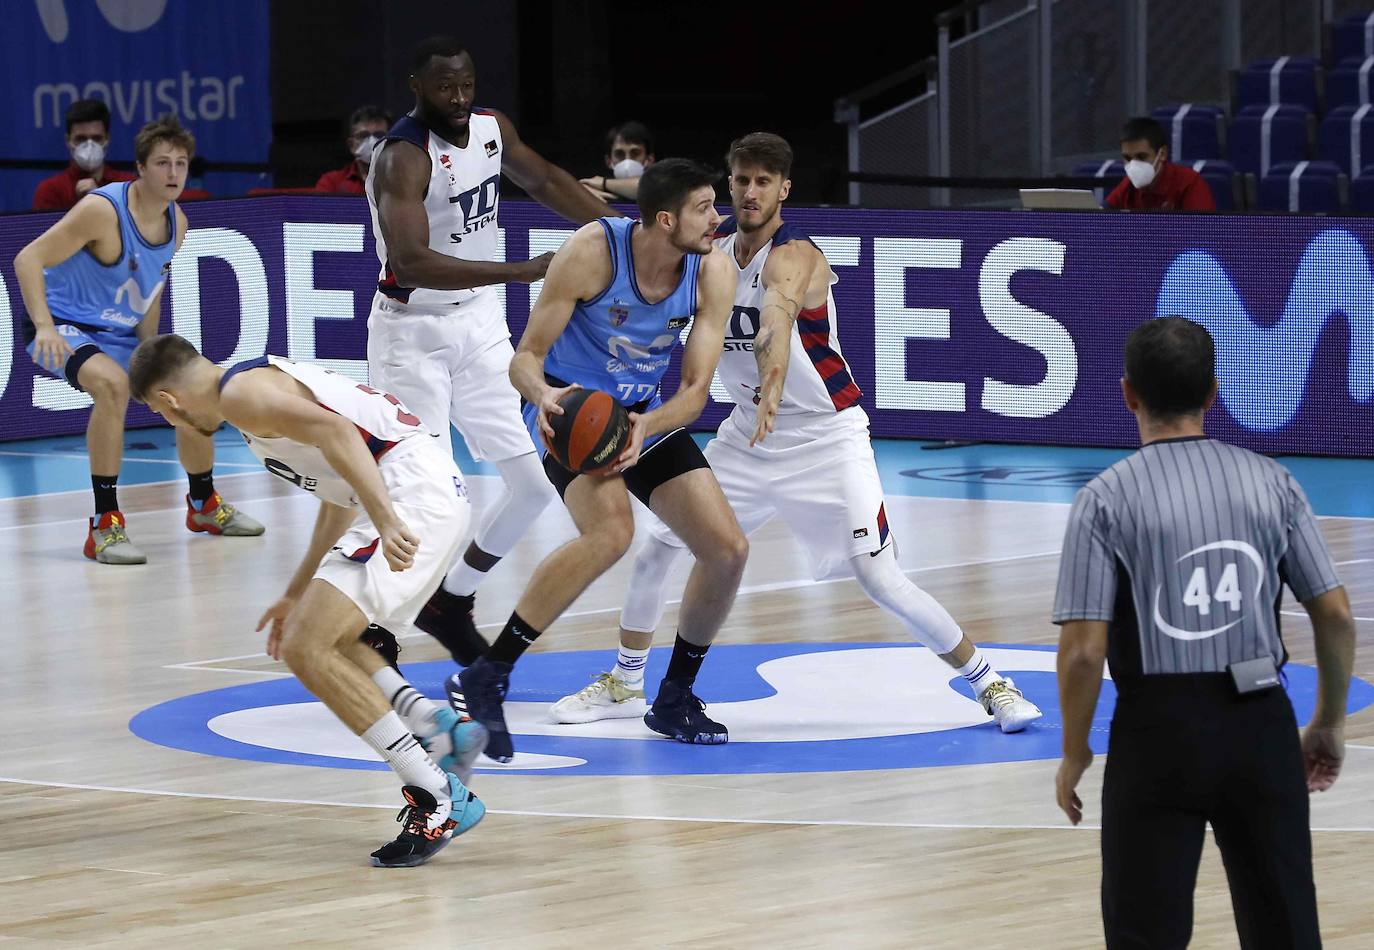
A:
[1310,187]
[1111,170]
[1349,83]
[1362,191]
[1346,137]
[1261,136]
[1353,37]
[1195,132]
[1288,80]
[1221,178]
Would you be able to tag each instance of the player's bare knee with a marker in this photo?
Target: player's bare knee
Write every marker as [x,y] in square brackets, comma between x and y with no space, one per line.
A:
[296,648]
[728,552]
[613,538]
[110,389]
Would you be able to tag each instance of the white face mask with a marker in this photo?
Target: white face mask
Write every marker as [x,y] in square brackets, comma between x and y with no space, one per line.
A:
[1140,173]
[363,153]
[89,155]
[629,168]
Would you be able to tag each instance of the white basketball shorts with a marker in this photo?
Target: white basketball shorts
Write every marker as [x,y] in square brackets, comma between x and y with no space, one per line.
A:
[451,367]
[428,494]
[817,473]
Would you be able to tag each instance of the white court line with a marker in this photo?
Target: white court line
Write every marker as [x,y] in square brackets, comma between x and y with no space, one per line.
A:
[74,456]
[1302,613]
[86,491]
[1358,560]
[601,816]
[151,511]
[92,867]
[753,589]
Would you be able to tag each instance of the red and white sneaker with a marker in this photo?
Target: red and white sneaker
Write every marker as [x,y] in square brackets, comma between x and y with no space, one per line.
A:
[108,543]
[217,516]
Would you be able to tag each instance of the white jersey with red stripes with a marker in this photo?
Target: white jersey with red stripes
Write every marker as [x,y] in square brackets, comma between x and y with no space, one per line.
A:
[819,381]
[383,424]
[461,202]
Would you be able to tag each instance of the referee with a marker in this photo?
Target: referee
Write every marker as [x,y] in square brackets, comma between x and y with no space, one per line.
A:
[1172,570]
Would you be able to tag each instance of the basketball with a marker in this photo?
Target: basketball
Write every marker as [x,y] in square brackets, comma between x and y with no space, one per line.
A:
[591,433]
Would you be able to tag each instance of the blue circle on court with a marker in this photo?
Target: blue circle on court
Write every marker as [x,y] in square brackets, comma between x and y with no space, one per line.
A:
[795,707]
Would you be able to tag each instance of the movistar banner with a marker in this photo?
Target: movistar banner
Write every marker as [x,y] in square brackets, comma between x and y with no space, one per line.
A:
[205,60]
[998,326]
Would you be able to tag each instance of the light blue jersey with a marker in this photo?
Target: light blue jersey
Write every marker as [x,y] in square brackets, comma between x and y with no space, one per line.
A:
[617,341]
[113,297]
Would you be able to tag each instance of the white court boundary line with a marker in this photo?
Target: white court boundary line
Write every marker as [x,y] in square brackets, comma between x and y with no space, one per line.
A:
[86,491]
[149,511]
[124,460]
[599,816]
[743,591]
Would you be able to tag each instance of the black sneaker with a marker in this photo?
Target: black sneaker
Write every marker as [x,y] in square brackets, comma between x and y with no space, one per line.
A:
[448,618]
[384,642]
[428,825]
[678,714]
[478,692]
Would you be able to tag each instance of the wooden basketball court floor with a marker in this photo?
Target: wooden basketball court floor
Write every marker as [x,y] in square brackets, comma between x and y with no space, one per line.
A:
[165,784]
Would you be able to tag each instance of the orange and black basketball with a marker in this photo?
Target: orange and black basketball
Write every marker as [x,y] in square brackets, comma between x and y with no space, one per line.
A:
[591,433]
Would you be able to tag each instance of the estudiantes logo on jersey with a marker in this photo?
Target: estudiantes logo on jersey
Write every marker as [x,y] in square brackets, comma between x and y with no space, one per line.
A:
[798,707]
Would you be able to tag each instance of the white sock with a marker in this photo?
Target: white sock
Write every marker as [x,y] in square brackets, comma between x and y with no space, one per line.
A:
[462,579]
[979,672]
[390,739]
[417,711]
[629,666]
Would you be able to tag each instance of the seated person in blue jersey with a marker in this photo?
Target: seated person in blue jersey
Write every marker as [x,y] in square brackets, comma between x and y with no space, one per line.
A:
[92,284]
[617,296]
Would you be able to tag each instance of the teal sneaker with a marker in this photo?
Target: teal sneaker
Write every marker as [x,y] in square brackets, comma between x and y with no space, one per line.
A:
[466,740]
[428,825]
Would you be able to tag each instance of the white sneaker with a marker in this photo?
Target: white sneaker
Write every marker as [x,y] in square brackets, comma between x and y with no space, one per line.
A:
[1004,703]
[605,698]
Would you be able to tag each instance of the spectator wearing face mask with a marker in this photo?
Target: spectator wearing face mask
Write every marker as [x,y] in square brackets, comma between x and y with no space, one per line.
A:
[1153,183]
[629,150]
[88,138]
[366,128]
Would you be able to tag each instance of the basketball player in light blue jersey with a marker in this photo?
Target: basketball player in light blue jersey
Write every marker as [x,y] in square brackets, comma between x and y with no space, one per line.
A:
[617,296]
[92,285]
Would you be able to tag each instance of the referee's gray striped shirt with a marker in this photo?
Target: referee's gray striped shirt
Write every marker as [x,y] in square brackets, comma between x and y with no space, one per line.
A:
[1183,547]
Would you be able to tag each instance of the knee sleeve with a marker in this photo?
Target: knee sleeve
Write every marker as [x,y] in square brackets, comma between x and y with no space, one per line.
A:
[525,493]
[885,584]
[644,600]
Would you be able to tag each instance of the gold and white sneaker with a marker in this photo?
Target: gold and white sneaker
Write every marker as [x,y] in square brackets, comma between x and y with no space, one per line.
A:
[605,698]
[1008,707]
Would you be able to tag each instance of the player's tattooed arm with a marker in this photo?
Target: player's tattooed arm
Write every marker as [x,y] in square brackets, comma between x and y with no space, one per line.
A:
[545,182]
[785,280]
[399,184]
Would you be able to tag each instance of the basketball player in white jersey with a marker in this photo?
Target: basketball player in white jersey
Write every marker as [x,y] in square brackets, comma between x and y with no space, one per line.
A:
[796,446]
[393,512]
[437,336]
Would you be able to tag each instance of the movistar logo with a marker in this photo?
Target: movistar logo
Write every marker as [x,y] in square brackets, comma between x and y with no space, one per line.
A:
[1263,366]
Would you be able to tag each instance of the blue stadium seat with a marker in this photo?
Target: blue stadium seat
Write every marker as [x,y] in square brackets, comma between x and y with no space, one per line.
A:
[1310,187]
[1194,131]
[1349,83]
[1111,171]
[1288,80]
[1346,137]
[1362,191]
[1353,37]
[1220,177]
[1261,136]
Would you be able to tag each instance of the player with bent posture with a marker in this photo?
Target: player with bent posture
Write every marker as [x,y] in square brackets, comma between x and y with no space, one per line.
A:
[617,297]
[353,448]
[93,286]
[783,368]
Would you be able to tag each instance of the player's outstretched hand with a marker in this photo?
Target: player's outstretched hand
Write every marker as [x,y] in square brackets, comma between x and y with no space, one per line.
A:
[49,349]
[548,406]
[628,458]
[399,546]
[276,615]
[537,267]
[1323,751]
